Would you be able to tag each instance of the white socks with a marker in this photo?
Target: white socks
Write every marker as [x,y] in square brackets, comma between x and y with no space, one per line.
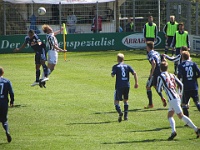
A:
[189,122]
[172,124]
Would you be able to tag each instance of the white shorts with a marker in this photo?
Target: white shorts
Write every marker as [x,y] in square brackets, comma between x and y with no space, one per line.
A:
[175,105]
[52,57]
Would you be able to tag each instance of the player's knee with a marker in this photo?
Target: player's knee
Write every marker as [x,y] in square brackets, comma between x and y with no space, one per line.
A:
[180,115]
[148,88]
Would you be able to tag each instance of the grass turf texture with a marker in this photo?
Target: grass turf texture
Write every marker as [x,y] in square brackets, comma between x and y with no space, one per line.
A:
[76,112]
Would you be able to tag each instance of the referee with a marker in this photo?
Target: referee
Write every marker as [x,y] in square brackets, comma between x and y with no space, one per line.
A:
[150,30]
[169,30]
[5,88]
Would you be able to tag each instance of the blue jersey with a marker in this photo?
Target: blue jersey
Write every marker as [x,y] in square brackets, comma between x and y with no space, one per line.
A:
[33,42]
[5,89]
[153,55]
[122,71]
[188,71]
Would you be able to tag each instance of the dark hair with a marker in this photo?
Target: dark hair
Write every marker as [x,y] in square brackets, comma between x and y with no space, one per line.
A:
[184,48]
[31,31]
[150,44]
[164,66]
[1,71]
[181,23]
[185,55]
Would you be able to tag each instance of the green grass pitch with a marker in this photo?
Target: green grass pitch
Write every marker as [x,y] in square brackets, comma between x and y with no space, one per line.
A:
[76,111]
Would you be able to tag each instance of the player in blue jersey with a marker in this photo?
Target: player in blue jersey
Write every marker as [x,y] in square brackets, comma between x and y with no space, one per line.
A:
[122,85]
[188,72]
[169,82]
[5,89]
[40,54]
[177,59]
[155,60]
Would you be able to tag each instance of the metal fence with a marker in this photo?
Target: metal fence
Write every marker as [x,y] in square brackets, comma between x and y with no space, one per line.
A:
[18,18]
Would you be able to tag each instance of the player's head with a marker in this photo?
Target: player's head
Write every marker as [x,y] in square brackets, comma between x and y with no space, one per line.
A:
[185,55]
[31,33]
[183,48]
[181,26]
[150,18]
[150,45]
[120,57]
[1,71]
[47,29]
[163,66]
[172,18]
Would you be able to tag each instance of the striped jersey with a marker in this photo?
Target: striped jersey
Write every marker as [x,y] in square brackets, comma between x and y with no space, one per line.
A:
[154,56]
[52,40]
[177,58]
[169,82]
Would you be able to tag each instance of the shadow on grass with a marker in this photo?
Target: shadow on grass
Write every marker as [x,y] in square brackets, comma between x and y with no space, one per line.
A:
[105,122]
[133,110]
[137,59]
[4,143]
[138,141]
[156,129]
[18,106]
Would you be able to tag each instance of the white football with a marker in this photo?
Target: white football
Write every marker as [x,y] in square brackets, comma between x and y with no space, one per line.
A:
[41,11]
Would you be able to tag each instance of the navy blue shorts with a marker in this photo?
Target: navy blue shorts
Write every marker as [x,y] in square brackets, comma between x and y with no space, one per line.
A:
[40,56]
[121,93]
[178,51]
[152,81]
[169,40]
[3,111]
[149,39]
[190,94]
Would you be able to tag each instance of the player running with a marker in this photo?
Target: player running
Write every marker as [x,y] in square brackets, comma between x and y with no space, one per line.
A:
[5,89]
[53,49]
[169,82]
[154,59]
[122,85]
[40,54]
[177,59]
[188,72]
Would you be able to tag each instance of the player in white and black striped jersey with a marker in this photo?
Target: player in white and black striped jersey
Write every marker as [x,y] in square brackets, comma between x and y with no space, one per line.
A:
[169,82]
[53,47]
[177,59]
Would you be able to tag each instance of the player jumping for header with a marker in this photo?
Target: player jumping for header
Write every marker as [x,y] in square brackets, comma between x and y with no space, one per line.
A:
[122,85]
[40,54]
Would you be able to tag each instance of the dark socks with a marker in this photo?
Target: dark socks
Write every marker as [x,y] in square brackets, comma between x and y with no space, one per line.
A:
[117,107]
[197,105]
[45,69]
[37,75]
[185,111]
[149,95]
[125,110]
[166,50]
[5,126]
[175,68]
[160,94]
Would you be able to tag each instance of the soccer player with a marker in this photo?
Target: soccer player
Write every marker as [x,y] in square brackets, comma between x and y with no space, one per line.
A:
[177,59]
[155,60]
[5,88]
[188,72]
[122,85]
[150,30]
[169,30]
[53,48]
[40,54]
[168,82]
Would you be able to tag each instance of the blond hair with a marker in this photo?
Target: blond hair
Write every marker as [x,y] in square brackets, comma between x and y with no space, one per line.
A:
[46,28]
[120,57]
